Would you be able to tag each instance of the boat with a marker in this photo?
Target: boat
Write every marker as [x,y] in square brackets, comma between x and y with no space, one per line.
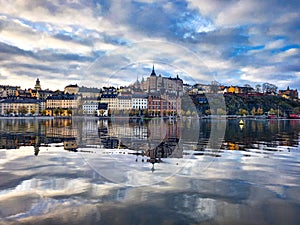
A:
[272,116]
[294,116]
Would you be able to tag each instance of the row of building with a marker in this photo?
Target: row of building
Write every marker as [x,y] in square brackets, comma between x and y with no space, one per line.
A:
[157,94]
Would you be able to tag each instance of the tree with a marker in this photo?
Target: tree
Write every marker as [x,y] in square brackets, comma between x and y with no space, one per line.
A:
[272,111]
[69,112]
[258,88]
[145,112]
[56,111]
[208,112]
[188,113]
[214,86]
[32,111]
[243,112]
[150,112]
[296,110]
[8,111]
[259,111]
[269,88]
[101,111]
[221,111]
[164,112]
[253,111]
[44,112]
[23,110]
[109,112]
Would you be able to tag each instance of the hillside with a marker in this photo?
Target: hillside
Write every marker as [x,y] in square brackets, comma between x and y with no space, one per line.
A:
[255,105]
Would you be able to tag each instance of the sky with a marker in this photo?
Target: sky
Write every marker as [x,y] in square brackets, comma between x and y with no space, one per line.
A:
[114,42]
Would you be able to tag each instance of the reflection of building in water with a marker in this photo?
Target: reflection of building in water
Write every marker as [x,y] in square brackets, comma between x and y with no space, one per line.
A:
[157,138]
[17,133]
[23,132]
[170,145]
[60,128]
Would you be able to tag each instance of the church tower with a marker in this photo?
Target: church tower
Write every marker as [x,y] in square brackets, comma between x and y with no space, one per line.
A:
[153,81]
[37,85]
[153,72]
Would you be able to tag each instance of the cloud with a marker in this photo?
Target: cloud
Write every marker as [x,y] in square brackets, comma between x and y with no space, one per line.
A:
[230,41]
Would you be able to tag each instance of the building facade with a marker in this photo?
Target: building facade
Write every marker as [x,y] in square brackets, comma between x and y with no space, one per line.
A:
[19,106]
[90,108]
[139,101]
[63,101]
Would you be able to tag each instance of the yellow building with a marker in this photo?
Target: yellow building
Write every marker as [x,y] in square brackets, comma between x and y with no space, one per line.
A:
[17,106]
[64,101]
[111,100]
[233,89]
[61,105]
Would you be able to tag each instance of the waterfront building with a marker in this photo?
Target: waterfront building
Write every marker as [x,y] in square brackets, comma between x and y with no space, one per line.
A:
[110,99]
[124,102]
[163,105]
[66,103]
[102,109]
[69,101]
[90,107]
[19,106]
[139,101]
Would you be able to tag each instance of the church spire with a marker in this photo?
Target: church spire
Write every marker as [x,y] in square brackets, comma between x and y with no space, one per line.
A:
[37,85]
[153,72]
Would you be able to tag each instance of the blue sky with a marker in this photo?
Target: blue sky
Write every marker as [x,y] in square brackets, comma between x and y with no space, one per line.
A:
[102,42]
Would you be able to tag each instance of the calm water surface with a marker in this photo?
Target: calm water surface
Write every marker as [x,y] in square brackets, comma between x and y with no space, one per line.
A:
[121,171]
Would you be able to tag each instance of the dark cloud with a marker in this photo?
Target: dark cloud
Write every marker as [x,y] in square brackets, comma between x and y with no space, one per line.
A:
[8,49]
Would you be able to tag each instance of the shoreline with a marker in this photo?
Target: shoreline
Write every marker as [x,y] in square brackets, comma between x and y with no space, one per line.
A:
[212,117]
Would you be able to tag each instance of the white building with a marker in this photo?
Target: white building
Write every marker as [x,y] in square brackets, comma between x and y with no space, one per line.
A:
[89,108]
[124,102]
[139,101]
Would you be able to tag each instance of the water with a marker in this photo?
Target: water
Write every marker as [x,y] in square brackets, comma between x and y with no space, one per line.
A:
[89,171]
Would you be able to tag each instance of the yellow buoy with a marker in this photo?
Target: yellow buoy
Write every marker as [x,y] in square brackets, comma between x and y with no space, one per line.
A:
[241,122]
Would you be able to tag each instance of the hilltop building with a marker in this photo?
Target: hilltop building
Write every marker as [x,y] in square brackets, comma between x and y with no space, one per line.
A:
[162,85]
[71,89]
[37,85]
[291,94]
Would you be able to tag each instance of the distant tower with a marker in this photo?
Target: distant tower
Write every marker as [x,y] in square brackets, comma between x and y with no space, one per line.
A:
[153,72]
[37,85]
[152,81]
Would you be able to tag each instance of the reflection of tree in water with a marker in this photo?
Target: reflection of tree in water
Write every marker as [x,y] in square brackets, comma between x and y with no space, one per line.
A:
[256,133]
